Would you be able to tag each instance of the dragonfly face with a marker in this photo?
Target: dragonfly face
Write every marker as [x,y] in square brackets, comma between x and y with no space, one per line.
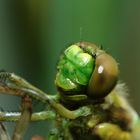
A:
[86,76]
[86,69]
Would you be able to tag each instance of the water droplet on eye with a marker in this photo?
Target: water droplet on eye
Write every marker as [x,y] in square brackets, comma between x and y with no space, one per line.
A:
[100,69]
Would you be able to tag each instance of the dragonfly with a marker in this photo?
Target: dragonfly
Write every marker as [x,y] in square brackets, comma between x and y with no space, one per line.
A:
[91,103]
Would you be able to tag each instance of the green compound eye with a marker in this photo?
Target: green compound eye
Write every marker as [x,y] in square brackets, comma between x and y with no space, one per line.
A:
[86,71]
[74,69]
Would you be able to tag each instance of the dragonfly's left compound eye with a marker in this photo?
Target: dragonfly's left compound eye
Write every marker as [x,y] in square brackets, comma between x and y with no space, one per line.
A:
[85,69]
[74,70]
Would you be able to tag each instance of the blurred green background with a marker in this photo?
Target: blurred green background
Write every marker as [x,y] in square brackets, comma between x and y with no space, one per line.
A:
[33,33]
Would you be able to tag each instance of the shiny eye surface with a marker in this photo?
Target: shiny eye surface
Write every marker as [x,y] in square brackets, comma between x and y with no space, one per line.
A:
[84,68]
[104,76]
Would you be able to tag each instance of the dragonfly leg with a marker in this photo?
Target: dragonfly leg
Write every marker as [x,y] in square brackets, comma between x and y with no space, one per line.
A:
[24,120]
[38,116]
[108,131]
[3,133]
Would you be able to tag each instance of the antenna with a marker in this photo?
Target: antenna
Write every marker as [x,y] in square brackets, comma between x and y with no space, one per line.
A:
[81,33]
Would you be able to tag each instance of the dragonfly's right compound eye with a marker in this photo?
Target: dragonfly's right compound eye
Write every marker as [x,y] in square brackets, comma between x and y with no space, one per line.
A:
[104,76]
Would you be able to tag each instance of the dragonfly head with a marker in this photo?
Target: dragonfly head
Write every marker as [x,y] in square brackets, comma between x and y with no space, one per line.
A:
[84,69]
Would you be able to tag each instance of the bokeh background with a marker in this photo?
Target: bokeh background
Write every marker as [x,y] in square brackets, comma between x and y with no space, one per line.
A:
[33,33]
